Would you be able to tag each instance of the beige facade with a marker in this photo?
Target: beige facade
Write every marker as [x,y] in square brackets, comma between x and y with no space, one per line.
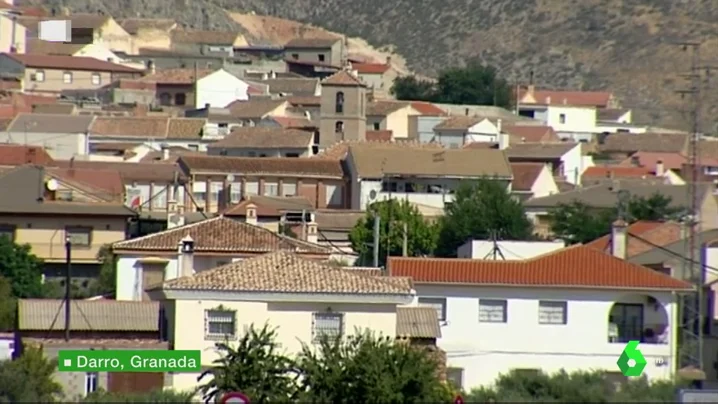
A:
[397,122]
[12,35]
[342,111]
[113,37]
[54,81]
[332,54]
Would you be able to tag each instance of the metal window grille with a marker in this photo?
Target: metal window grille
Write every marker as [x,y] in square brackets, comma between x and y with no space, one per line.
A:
[220,323]
[90,383]
[492,311]
[438,304]
[552,312]
[329,324]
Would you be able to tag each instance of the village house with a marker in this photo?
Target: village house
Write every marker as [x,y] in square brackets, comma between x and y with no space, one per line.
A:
[94,324]
[304,299]
[330,51]
[532,180]
[197,88]
[343,109]
[390,115]
[307,106]
[252,112]
[264,142]
[98,29]
[565,160]
[37,46]
[614,120]
[156,132]
[334,226]
[530,133]
[290,122]
[619,146]
[217,181]
[12,34]
[457,131]
[598,174]
[148,32]
[219,43]
[300,87]
[62,136]
[289,215]
[422,176]
[378,77]
[53,73]
[570,301]
[156,258]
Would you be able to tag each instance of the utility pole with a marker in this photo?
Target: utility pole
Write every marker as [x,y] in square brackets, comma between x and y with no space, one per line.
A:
[405,242]
[692,305]
[196,74]
[377,232]
[68,279]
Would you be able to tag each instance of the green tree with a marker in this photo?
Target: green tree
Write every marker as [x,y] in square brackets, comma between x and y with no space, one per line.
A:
[654,207]
[254,366]
[21,268]
[481,210]
[393,215]
[105,283]
[412,88]
[363,368]
[158,396]
[30,378]
[8,306]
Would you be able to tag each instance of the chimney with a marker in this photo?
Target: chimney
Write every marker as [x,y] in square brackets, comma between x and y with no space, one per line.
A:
[548,100]
[207,106]
[531,89]
[272,74]
[660,168]
[388,61]
[619,236]
[250,217]
[186,256]
[165,153]
[151,67]
[498,126]
[312,234]
[265,76]
[503,141]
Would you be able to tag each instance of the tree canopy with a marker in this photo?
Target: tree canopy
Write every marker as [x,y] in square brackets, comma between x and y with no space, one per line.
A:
[393,214]
[475,84]
[21,268]
[481,210]
[579,223]
[29,378]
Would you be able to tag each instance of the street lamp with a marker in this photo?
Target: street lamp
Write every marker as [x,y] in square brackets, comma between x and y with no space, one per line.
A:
[68,278]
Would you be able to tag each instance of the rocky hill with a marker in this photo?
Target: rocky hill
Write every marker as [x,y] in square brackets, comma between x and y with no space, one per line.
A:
[626,45]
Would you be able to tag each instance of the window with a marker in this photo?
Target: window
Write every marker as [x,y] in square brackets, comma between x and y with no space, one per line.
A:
[377,125]
[562,118]
[199,196]
[492,311]
[295,56]
[159,199]
[251,188]
[220,323]
[339,103]
[40,76]
[180,99]
[388,186]
[437,303]
[551,312]
[339,127]
[251,154]
[7,230]
[216,189]
[165,99]
[292,155]
[329,324]
[627,319]
[193,147]
[320,57]
[90,383]
[96,79]
[289,188]
[235,192]
[455,376]
[67,77]
[271,189]
[333,195]
[79,235]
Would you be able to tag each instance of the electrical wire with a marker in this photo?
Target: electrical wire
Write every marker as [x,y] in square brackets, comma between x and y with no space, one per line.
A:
[673,253]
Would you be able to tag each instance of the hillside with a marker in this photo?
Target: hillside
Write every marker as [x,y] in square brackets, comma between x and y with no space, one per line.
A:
[625,45]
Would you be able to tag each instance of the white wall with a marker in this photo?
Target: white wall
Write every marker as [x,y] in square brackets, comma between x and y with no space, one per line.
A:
[545,184]
[219,89]
[574,165]
[485,350]
[511,250]
[578,119]
[61,146]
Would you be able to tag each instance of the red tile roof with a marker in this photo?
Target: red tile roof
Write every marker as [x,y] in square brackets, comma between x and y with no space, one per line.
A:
[574,98]
[343,78]
[671,161]
[69,63]
[427,108]
[532,134]
[379,135]
[289,122]
[657,233]
[573,267]
[525,175]
[106,181]
[617,172]
[370,68]
[17,155]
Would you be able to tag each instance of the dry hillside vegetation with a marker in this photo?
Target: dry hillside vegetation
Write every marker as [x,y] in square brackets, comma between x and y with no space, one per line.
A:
[625,45]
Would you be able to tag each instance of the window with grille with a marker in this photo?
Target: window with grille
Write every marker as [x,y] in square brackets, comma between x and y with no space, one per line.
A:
[330,325]
[67,77]
[90,382]
[289,188]
[551,312]
[96,79]
[235,192]
[437,303]
[220,323]
[271,189]
[251,188]
[492,311]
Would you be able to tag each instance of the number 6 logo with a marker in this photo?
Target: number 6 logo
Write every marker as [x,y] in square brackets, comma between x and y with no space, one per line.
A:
[631,362]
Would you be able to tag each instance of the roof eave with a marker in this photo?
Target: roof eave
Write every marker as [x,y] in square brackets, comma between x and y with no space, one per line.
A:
[588,287]
[167,292]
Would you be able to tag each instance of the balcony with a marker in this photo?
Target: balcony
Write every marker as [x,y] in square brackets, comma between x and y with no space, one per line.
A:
[429,199]
[638,318]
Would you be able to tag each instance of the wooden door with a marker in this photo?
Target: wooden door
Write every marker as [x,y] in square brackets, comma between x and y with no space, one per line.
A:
[129,382]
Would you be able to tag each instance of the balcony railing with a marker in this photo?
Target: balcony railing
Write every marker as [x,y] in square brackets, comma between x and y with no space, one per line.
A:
[647,334]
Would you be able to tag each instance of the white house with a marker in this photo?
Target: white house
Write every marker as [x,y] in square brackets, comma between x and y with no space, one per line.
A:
[565,159]
[422,176]
[157,132]
[611,120]
[302,299]
[532,180]
[63,136]
[573,309]
[507,250]
[456,131]
[219,89]
[218,241]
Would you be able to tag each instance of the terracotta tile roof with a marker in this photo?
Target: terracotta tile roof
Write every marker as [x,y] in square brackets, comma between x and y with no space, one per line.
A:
[458,122]
[708,149]
[417,322]
[575,98]
[531,134]
[17,155]
[371,68]
[539,150]
[254,109]
[263,165]
[282,272]
[577,266]
[204,37]
[105,184]
[292,86]
[339,150]
[50,123]
[36,46]
[312,43]
[88,315]
[384,108]
[338,219]
[617,172]
[646,142]
[428,109]
[304,100]
[379,135]
[375,162]
[288,122]
[177,76]
[134,25]
[130,172]
[158,156]
[69,63]
[259,137]
[656,233]
[270,205]
[525,175]
[220,234]
[343,78]
[158,127]
[671,161]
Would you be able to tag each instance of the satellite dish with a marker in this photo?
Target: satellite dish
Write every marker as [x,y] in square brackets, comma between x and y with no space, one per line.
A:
[51,184]
[372,195]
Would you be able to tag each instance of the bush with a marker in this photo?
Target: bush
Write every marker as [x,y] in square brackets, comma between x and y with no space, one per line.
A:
[158,396]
